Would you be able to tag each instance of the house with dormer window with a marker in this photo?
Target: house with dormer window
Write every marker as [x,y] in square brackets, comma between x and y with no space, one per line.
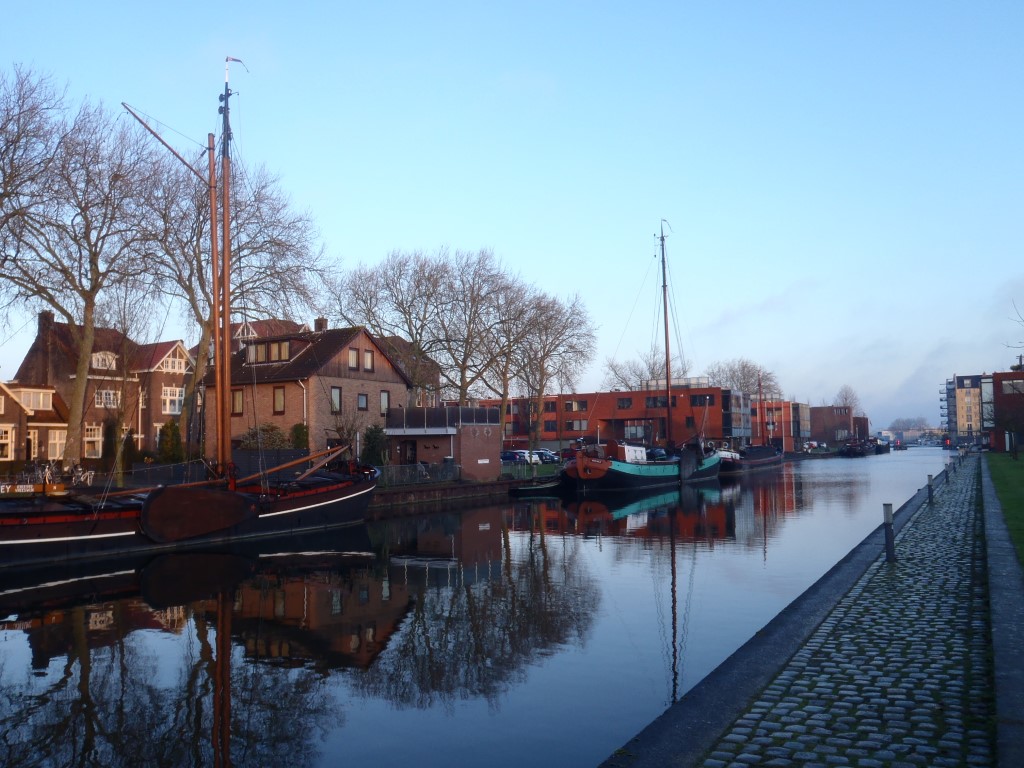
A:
[127,383]
[336,382]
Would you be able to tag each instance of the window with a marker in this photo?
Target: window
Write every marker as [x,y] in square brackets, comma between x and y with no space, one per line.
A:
[367,359]
[1,405]
[278,350]
[171,400]
[385,402]
[624,402]
[335,399]
[6,442]
[634,432]
[236,402]
[550,406]
[55,444]
[173,364]
[104,361]
[33,443]
[37,401]
[107,398]
[656,401]
[353,359]
[92,442]
[257,353]
[363,401]
[278,400]
[576,425]
[575,405]
[702,400]
[690,423]
[550,425]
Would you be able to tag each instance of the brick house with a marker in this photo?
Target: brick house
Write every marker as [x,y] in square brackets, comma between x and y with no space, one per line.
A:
[125,383]
[163,370]
[336,382]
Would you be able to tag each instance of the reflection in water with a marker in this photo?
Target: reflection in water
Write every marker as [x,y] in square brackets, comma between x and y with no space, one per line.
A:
[527,609]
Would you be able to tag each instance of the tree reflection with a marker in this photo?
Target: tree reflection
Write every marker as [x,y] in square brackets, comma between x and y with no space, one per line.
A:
[468,637]
[449,608]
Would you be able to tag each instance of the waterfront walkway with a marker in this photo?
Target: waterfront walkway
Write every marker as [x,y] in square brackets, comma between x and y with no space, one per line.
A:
[916,662]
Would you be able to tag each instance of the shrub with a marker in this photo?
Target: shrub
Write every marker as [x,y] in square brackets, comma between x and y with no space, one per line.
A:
[265,436]
[300,436]
[375,445]
[170,450]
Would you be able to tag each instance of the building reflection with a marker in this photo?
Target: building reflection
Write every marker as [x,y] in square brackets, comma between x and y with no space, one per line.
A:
[418,611]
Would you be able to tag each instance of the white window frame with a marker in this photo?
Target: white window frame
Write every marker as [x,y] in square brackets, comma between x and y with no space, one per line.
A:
[33,439]
[173,364]
[171,400]
[104,361]
[107,398]
[56,439]
[92,441]
[8,434]
[36,399]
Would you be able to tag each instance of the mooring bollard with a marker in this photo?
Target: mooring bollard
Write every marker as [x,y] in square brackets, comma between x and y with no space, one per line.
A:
[890,539]
[929,489]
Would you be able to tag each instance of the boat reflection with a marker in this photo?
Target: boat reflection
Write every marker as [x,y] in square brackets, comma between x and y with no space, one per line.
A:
[419,612]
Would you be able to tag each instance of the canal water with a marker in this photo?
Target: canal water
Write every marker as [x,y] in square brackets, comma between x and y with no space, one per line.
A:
[526,633]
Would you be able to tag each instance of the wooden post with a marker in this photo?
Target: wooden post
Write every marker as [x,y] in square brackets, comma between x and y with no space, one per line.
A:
[929,489]
[890,539]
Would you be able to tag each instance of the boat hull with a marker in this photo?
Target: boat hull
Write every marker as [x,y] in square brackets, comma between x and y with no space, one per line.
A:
[750,459]
[590,474]
[46,530]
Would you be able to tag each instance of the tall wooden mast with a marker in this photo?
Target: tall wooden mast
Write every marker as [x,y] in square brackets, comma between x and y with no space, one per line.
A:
[668,354]
[222,339]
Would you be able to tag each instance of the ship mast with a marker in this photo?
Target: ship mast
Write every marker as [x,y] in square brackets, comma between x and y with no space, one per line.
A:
[222,287]
[668,354]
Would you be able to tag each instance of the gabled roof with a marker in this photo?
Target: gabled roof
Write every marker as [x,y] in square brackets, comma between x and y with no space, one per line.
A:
[54,354]
[148,356]
[310,351]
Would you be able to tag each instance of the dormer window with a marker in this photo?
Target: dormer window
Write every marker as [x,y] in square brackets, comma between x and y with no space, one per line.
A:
[268,351]
[104,361]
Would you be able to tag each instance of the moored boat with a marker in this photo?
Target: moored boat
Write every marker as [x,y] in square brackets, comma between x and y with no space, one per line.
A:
[47,522]
[748,459]
[625,467]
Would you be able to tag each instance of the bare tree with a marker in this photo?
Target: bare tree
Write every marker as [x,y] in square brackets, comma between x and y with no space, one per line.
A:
[555,352]
[30,123]
[637,374]
[846,397]
[277,263]
[514,301]
[83,236]
[746,376]
[397,298]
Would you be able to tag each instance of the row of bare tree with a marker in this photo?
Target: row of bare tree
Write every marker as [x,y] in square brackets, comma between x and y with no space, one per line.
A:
[490,333]
[104,227]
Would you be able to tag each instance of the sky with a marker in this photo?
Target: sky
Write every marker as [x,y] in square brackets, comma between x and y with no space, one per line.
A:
[842,182]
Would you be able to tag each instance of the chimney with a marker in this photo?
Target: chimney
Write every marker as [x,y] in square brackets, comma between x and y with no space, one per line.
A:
[45,322]
[320,324]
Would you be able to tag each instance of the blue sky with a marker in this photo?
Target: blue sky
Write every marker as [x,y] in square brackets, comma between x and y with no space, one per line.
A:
[844,182]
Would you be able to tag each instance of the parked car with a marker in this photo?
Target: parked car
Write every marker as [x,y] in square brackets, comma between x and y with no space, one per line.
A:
[567,453]
[512,456]
[546,456]
[529,457]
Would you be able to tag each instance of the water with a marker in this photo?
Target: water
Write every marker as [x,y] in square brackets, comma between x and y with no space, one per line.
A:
[527,633]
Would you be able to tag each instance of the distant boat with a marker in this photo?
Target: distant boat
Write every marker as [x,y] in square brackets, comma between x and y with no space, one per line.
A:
[856,448]
[748,459]
[626,467]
